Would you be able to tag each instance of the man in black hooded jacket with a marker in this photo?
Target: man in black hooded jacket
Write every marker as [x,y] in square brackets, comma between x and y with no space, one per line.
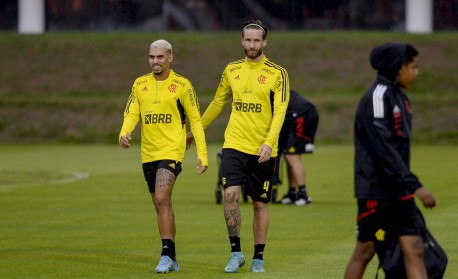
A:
[384,185]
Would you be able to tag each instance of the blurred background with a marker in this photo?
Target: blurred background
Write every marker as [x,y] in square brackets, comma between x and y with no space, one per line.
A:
[215,15]
[68,65]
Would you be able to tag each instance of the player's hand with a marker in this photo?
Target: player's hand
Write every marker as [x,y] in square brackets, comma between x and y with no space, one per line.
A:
[264,153]
[425,197]
[124,142]
[200,169]
[189,139]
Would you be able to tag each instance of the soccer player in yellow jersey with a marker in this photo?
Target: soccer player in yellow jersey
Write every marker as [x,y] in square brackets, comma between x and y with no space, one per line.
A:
[259,90]
[162,100]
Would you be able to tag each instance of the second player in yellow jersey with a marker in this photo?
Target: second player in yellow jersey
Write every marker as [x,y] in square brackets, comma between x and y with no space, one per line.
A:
[260,94]
[259,91]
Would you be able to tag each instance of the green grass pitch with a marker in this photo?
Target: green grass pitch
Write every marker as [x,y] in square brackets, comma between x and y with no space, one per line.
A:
[83,211]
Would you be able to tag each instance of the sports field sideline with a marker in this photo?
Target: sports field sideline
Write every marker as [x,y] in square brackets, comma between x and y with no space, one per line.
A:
[83,211]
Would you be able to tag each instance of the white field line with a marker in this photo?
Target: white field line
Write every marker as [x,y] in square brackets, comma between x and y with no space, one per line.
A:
[74,176]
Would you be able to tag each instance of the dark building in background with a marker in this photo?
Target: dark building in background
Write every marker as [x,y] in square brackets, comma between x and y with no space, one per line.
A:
[215,15]
[8,15]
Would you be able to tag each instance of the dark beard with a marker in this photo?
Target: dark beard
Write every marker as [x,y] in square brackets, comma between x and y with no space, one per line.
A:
[256,54]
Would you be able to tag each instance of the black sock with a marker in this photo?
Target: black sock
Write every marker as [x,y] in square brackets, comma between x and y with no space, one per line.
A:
[292,192]
[302,191]
[168,248]
[258,251]
[235,244]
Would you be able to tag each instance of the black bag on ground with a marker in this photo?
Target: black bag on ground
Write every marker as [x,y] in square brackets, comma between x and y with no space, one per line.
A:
[392,263]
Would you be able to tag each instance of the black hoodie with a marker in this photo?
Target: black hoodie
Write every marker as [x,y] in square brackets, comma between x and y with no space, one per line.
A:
[388,58]
[382,130]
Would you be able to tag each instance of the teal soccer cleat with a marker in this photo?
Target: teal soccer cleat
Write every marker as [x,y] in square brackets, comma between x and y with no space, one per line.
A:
[235,261]
[166,264]
[257,265]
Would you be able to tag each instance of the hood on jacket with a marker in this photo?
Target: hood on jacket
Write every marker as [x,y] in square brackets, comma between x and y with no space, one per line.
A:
[388,58]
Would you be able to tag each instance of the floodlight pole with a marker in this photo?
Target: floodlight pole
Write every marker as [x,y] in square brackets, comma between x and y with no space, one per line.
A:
[32,16]
[419,16]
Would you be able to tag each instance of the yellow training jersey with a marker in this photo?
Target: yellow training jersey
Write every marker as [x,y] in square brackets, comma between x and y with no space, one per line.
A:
[162,108]
[260,95]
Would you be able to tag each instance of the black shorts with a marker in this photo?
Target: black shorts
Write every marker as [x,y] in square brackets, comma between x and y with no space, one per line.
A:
[297,135]
[384,220]
[238,168]
[150,170]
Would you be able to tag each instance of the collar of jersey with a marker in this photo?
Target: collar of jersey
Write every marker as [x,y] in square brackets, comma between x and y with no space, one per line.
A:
[256,64]
[171,73]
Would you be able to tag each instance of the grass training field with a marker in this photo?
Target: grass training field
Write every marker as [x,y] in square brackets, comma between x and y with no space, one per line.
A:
[83,211]
[74,205]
